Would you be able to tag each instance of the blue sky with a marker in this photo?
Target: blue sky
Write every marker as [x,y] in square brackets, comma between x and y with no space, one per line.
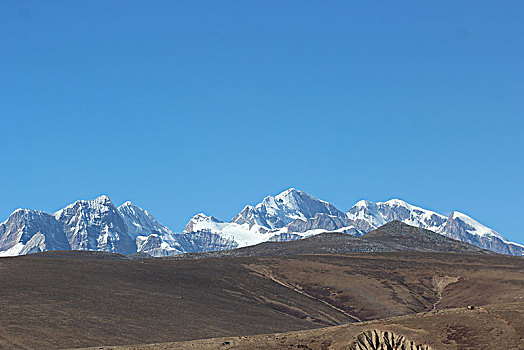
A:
[190,106]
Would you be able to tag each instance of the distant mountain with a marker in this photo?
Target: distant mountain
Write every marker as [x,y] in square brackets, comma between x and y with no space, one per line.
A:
[367,215]
[95,225]
[31,231]
[139,222]
[463,228]
[84,225]
[291,215]
[394,236]
[294,214]
[284,209]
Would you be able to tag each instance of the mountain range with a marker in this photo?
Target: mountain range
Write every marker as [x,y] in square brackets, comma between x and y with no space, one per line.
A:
[293,214]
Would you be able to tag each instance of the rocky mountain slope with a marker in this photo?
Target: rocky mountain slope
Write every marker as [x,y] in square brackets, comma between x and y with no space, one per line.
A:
[395,236]
[293,214]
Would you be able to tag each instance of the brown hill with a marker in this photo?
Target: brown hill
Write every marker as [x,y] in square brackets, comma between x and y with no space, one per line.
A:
[50,303]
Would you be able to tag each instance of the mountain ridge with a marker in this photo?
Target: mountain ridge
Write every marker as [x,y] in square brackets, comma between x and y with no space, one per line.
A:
[394,236]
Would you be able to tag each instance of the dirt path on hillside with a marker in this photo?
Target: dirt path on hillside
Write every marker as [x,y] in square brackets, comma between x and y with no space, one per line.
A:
[266,273]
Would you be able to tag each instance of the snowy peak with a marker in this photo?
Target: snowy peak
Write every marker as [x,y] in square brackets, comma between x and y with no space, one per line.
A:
[471,226]
[250,216]
[30,231]
[203,217]
[100,204]
[24,214]
[368,215]
[127,204]
[461,227]
[365,216]
[202,222]
[396,209]
[293,198]
[140,222]
[397,202]
[278,211]
[95,225]
[89,210]
[363,204]
[304,204]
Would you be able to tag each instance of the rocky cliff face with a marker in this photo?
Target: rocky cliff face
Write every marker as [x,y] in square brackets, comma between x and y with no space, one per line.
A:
[172,244]
[95,225]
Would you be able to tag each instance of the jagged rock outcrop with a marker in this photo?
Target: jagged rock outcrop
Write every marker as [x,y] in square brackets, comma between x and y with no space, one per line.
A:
[384,340]
[284,237]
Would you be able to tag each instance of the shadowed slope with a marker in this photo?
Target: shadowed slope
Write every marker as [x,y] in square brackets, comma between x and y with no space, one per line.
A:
[50,303]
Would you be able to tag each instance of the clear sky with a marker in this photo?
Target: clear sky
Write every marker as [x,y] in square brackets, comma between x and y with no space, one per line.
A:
[206,106]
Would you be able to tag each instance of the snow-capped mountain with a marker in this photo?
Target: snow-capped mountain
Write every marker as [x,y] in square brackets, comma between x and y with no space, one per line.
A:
[84,225]
[29,231]
[293,214]
[202,234]
[463,228]
[98,225]
[139,222]
[95,225]
[368,216]
[281,210]
[244,233]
